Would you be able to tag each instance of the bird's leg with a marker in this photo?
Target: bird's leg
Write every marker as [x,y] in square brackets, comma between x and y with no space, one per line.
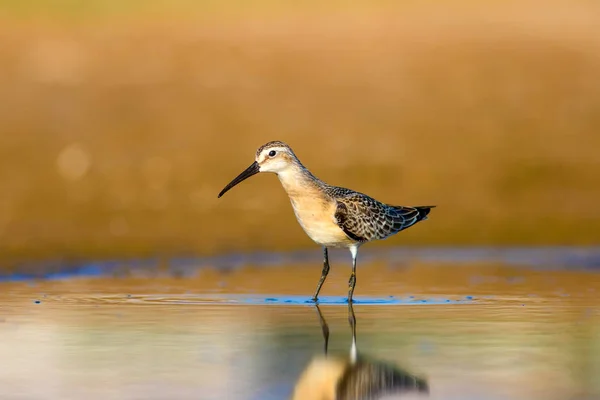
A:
[324,328]
[323,274]
[352,280]
[352,321]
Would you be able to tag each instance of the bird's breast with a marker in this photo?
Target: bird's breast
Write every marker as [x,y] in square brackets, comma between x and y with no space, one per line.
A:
[315,213]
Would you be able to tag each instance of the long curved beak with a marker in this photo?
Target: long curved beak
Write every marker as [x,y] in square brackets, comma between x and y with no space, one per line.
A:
[253,169]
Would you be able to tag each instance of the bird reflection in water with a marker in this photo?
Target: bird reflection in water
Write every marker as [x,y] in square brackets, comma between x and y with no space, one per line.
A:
[354,377]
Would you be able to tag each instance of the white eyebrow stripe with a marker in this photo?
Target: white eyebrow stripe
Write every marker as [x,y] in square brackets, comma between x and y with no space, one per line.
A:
[275,148]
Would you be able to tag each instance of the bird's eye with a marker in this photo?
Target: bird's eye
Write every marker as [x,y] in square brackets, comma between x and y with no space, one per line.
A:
[272,153]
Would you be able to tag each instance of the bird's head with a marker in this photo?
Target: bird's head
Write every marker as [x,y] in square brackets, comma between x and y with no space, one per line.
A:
[276,157]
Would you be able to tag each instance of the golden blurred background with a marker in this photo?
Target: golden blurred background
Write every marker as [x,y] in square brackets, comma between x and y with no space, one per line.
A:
[122,120]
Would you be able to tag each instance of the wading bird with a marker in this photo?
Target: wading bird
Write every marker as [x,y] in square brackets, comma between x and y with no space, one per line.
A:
[331,216]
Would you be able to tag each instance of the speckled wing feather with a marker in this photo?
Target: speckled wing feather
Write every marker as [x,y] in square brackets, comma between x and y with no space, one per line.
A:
[363,218]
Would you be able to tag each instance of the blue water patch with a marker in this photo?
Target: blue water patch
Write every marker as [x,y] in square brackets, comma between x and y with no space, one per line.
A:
[327,300]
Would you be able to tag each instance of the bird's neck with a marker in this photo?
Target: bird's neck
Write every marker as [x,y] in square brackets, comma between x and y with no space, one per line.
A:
[297,179]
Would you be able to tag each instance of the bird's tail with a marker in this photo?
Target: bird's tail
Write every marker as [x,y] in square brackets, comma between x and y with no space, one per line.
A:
[423,211]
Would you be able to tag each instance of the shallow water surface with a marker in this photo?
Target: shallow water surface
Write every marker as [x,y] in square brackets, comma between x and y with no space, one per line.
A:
[469,331]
